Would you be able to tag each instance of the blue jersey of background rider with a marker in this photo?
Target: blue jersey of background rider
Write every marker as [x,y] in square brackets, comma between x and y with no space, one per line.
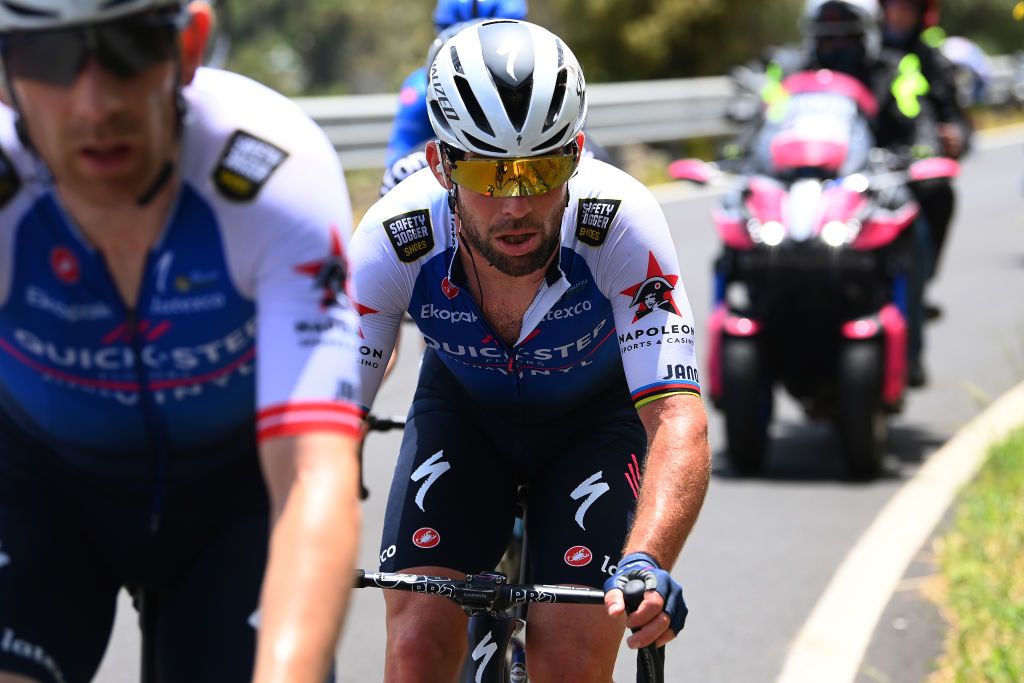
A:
[412,125]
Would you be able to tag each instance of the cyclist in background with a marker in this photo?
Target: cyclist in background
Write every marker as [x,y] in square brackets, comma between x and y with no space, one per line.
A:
[412,125]
[560,354]
[173,320]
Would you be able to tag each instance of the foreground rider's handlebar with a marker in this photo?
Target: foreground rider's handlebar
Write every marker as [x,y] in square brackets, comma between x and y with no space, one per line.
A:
[650,660]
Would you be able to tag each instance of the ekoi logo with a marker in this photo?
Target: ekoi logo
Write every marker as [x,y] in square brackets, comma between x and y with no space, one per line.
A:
[426,538]
[578,556]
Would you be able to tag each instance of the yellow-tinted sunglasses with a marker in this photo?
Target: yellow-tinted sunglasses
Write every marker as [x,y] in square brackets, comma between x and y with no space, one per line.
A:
[514,177]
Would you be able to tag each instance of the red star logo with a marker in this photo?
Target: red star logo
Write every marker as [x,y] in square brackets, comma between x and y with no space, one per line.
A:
[328,274]
[363,310]
[654,292]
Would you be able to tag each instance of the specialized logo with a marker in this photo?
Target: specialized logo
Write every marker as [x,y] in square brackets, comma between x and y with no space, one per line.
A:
[426,538]
[578,556]
[411,234]
[330,273]
[483,652]
[431,469]
[65,265]
[593,218]
[590,490]
[653,293]
[10,182]
[633,475]
[246,165]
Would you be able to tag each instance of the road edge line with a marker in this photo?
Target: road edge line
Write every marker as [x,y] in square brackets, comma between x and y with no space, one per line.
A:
[831,644]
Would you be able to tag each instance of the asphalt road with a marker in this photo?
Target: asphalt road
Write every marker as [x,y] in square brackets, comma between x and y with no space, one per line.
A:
[765,548]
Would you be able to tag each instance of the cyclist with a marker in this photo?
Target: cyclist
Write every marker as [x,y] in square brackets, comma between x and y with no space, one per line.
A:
[159,223]
[911,27]
[528,270]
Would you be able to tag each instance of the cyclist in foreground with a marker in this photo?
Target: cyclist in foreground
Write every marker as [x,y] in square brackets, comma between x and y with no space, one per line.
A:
[560,354]
[171,307]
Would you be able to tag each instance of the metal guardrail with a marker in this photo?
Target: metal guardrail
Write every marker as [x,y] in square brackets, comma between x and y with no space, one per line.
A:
[619,113]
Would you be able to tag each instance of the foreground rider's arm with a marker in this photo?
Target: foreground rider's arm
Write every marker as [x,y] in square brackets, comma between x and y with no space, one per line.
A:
[641,278]
[308,415]
[313,484]
[675,482]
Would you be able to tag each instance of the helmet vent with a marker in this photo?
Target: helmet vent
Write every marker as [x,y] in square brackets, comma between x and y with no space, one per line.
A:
[561,54]
[439,117]
[552,141]
[517,101]
[557,99]
[480,144]
[456,62]
[473,106]
[26,11]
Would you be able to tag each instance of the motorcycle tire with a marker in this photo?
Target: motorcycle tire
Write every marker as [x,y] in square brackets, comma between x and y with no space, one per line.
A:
[746,403]
[860,417]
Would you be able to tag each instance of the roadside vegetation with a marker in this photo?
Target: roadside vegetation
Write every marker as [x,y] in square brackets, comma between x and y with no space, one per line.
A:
[982,562]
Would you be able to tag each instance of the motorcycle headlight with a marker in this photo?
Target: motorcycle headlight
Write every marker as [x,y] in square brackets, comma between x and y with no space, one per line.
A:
[772,233]
[838,233]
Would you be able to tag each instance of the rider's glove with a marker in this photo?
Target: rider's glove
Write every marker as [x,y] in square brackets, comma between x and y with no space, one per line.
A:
[642,566]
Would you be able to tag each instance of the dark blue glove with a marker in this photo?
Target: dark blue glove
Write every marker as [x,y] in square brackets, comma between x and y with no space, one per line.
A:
[642,566]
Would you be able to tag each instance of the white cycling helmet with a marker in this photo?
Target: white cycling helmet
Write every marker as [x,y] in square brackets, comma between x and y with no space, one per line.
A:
[854,17]
[506,88]
[30,15]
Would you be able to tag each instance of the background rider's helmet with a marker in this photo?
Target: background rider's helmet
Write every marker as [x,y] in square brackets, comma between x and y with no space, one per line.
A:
[443,37]
[29,15]
[843,35]
[506,89]
[450,12]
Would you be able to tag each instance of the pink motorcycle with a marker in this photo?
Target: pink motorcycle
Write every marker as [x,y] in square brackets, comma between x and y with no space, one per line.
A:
[818,284]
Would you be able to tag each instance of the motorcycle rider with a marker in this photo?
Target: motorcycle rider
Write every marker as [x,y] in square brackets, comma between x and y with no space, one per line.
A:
[846,36]
[911,27]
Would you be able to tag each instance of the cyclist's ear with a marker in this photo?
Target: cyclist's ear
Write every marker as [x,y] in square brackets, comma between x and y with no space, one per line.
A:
[437,165]
[194,37]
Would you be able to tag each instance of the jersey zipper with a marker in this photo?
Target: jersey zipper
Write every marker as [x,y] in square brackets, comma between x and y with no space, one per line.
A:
[154,427]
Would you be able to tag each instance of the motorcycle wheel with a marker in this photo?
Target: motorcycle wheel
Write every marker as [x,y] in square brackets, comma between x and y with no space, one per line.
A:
[860,418]
[746,403]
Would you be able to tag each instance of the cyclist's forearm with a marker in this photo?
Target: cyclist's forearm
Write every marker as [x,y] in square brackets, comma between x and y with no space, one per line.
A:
[310,564]
[675,478]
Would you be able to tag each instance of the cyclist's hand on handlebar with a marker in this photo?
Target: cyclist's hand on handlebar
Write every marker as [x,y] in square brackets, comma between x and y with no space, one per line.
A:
[661,615]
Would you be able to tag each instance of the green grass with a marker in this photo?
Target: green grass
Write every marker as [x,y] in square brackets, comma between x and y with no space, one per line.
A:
[982,560]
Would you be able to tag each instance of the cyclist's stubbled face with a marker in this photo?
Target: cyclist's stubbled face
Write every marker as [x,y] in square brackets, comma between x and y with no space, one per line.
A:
[517,235]
[104,138]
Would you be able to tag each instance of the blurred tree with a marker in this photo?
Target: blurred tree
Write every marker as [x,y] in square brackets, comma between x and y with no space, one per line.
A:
[355,46]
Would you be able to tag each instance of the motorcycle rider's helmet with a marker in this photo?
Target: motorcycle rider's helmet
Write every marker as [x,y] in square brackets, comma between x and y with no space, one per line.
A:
[843,35]
[450,12]
[493,102]
[31,15]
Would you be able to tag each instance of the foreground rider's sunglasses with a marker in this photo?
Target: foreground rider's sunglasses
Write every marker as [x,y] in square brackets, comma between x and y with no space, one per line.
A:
[514,177]
[124,47]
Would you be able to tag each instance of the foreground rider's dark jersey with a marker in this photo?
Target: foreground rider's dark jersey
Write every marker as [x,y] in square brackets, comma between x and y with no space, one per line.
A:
[242,321]
[612,302]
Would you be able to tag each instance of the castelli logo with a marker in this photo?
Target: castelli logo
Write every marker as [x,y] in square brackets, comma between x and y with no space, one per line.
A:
[65,265]
[426,538]
[450,290]
[578,556]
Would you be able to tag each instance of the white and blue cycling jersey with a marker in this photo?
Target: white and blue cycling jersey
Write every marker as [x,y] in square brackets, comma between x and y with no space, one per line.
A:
[612,304]
[242,325]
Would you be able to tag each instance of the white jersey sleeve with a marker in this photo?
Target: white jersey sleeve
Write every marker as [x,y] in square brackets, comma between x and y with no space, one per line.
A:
[637,270]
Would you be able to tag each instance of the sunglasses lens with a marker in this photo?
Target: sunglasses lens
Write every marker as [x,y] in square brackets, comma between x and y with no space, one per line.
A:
[125,48]
[514,177]
[129,47]
[53,57]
